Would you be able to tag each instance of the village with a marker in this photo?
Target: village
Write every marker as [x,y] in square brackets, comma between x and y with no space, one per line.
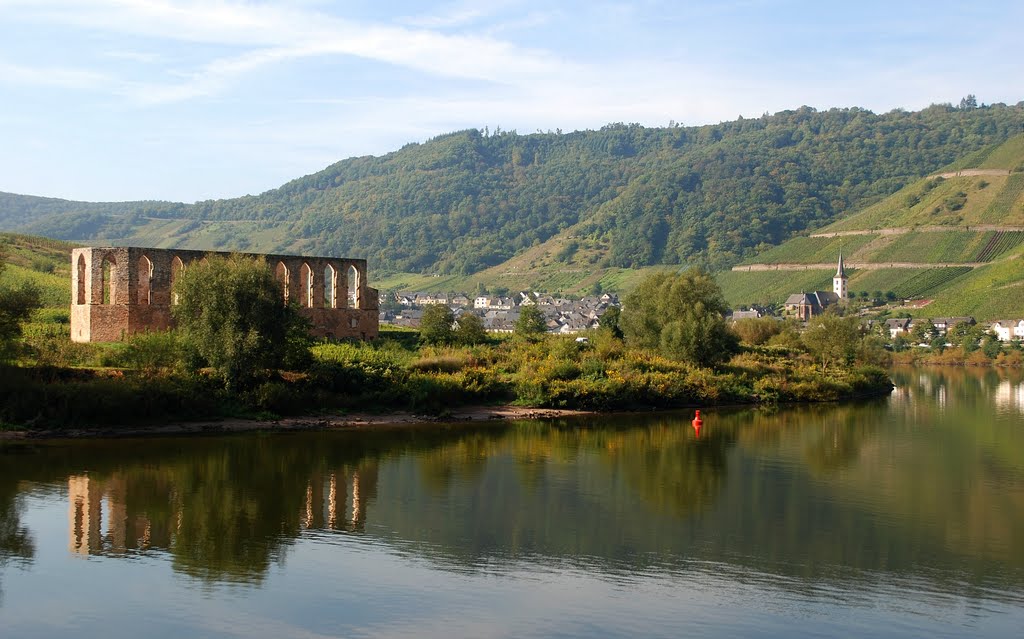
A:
[499,313]
[572,316]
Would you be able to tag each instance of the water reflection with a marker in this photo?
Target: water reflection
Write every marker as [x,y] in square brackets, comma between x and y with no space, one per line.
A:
[926,487]
[16,542]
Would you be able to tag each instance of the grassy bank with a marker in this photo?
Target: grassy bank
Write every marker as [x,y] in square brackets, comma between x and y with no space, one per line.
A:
[141,382]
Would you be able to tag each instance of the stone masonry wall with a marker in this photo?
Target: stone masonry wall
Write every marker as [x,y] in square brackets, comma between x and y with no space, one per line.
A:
[120,291]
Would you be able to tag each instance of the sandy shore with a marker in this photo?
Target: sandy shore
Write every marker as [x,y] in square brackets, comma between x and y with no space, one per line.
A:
[353,421]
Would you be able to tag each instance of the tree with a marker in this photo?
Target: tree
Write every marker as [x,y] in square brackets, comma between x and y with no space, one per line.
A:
[16,306]
[832,339]
[531,323]
[232,318]
[610,321]
[991,346]
[757,330]
[436,325]
[470,330]
[924,332]
[682,315]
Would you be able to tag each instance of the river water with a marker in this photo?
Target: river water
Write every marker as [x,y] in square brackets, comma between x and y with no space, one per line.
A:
[901,517]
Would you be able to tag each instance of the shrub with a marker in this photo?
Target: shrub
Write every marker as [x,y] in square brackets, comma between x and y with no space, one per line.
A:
[151,352]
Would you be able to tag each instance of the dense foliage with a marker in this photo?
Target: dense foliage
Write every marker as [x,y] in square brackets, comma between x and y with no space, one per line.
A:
[230,315]
[436,324]
[16,306]
[682,315]
[679,195]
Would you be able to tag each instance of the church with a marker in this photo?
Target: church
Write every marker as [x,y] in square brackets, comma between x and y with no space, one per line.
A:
[804,306]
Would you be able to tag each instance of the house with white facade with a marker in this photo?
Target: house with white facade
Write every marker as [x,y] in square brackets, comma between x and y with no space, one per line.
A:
[1007,330]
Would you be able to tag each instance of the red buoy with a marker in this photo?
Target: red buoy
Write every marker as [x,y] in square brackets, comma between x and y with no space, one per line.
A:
[697,423]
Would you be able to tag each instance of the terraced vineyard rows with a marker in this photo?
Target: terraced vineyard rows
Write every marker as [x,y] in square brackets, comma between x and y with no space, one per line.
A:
[999,243]
[936,248]
[812,250]
[1000,210]
[771,286]
[927,281]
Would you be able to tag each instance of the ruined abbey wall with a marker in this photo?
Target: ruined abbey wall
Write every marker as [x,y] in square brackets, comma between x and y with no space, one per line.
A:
[119,291]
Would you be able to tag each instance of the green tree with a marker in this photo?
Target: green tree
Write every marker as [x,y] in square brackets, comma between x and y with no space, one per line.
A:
[832,340]
[757,330]
[231,317]
[531,323]
[470,330]
[923,331]
[16,306]
[991,346]
[682,315]
[610,321]
[436,325]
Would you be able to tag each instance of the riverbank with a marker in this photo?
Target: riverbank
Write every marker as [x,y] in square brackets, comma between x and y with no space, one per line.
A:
[354,421]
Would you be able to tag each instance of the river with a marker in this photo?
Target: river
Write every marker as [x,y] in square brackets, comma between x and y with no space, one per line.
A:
[901,517]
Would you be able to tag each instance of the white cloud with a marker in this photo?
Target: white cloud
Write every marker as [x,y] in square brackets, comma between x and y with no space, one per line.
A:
[269,34]
[52,76]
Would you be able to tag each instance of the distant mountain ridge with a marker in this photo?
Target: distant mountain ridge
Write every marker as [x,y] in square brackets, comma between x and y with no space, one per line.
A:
[622,196]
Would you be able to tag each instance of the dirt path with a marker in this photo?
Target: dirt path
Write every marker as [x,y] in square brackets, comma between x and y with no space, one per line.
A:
[867,266]
[922,229]
[970,173]
[355,421]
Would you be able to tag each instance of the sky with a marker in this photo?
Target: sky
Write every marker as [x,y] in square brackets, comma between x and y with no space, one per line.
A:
[109,100]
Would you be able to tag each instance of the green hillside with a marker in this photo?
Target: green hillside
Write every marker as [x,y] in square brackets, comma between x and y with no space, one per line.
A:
[43,262]
[970,226]
[994,291]
[468,201]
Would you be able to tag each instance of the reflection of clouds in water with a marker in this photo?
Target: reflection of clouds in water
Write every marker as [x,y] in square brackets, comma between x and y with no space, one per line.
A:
[1009,397]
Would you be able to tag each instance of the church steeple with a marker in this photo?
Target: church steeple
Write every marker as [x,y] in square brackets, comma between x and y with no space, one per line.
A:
[840,279]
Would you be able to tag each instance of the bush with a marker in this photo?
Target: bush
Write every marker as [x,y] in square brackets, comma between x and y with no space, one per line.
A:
[152,352]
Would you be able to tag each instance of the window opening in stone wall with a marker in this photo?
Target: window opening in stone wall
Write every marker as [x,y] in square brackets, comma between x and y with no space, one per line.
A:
[353,287]
[145,292]
[306,290]
[281,273]
[330,287]
[177,266]
[81,279]
[109,285]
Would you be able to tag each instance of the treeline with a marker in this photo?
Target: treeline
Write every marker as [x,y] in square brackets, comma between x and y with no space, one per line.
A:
[706,195]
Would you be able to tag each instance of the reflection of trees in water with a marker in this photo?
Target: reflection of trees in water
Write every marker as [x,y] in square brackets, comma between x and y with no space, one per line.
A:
[16,543]
[673,472]
[223,509]
[619,492]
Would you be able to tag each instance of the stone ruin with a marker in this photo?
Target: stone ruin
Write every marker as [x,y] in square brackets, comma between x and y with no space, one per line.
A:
[119,291]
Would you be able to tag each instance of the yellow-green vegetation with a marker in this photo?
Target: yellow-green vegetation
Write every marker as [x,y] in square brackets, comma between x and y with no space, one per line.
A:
[682,356]
[770,287]
[945,247]
[906,282]
[953,201]
[965,200]
[993,291]
[957,219]
[1007,155]
[812,250]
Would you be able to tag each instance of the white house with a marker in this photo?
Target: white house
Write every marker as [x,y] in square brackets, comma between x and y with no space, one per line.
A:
[897,326]
[1007,330]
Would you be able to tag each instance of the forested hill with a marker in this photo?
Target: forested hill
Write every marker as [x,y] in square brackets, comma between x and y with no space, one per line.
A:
[468,200]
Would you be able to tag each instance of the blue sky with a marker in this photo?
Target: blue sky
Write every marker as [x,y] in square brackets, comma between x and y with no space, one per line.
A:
[187,100]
